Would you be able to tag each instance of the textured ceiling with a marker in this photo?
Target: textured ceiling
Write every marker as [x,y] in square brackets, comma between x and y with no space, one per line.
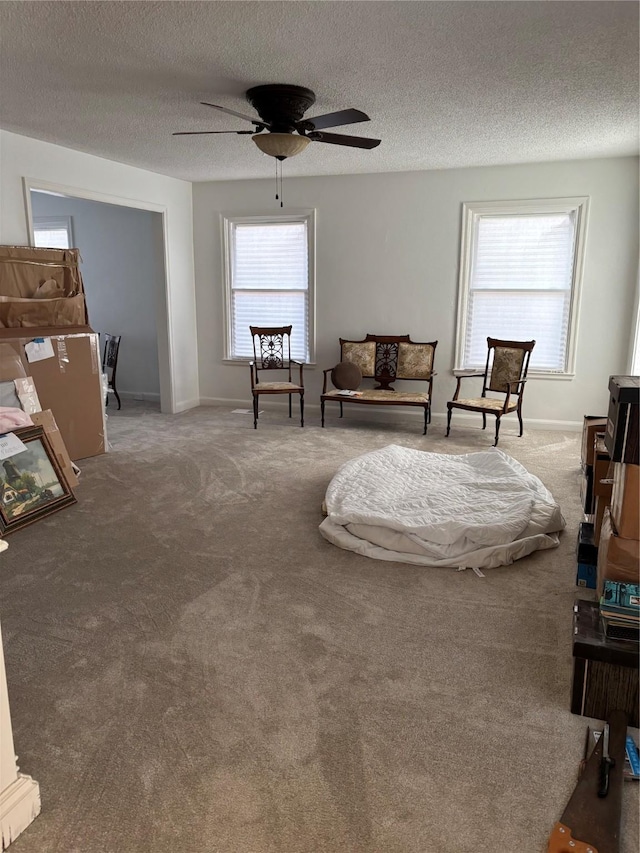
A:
[446,84]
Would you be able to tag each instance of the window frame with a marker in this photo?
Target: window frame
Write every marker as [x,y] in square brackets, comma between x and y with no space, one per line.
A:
[227,223]
[53,223]
[471,213]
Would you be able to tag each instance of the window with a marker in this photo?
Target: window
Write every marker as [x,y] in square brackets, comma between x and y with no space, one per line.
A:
[52,233]
[269,273]
[520,275]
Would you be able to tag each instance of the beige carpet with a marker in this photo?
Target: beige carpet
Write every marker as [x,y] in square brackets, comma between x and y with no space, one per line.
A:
[193,669]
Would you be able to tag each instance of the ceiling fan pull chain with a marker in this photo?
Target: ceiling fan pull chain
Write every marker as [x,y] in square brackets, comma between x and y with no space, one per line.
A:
[276,180]
[281,191]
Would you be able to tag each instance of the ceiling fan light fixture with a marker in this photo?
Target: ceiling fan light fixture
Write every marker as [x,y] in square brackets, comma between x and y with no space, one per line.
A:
[281,145]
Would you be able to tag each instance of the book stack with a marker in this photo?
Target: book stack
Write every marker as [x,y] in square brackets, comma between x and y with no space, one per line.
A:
[620,611]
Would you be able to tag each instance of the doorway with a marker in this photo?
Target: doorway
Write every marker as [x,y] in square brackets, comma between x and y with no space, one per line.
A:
[123,268]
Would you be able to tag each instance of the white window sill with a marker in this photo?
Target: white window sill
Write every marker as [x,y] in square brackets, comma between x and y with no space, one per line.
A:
[532,374]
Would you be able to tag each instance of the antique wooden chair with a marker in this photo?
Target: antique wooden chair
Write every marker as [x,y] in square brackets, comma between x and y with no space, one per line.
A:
[110,364]
[505,373]
[272,351]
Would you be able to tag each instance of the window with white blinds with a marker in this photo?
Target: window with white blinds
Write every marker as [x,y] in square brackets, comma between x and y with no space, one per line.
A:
[520,277]
[52,233]
[268,280]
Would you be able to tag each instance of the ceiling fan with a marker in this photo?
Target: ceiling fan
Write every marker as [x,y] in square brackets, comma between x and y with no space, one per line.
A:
[281,109]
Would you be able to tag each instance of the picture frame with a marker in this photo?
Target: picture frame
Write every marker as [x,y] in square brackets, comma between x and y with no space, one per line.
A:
[32,483]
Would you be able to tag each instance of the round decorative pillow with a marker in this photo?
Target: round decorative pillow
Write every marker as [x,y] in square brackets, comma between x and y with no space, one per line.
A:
[346,376]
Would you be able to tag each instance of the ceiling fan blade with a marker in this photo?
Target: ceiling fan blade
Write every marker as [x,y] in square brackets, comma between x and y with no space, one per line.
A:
[341,139]
[203,132]
[234,113]
[334,119]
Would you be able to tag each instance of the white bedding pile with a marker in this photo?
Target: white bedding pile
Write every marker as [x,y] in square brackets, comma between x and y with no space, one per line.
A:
[479,510]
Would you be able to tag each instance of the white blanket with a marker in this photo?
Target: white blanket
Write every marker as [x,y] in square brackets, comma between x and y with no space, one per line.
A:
[477,510]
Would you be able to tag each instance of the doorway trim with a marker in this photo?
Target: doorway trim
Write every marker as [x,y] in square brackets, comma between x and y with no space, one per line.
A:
[163,307]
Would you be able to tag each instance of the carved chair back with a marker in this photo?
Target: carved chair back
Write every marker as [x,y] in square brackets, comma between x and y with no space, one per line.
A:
[386,358]
[271,348]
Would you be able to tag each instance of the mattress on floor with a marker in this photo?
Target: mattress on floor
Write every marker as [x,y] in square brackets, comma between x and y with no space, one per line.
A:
[477,510]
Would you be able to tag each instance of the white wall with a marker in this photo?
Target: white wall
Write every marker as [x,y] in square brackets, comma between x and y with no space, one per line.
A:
[122,266]
[83,174]
[388,250]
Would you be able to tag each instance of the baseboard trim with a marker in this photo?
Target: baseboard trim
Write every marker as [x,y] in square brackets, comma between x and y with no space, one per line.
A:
[388,414]
[19,806]
[184,405]
[237,404]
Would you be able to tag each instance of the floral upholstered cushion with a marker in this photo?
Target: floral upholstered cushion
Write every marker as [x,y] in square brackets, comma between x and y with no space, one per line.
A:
[276,386]
[363,354]
[488,403]
[381,396]
[507,367]
[415,361]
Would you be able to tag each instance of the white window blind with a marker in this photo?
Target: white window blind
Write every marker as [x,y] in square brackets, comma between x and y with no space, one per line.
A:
[518,284]
[52,234]
[269,282]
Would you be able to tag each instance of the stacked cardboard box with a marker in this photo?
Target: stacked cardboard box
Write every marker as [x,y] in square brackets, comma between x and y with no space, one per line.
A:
[45,336]
[68,380]
[619,548]
[41,287]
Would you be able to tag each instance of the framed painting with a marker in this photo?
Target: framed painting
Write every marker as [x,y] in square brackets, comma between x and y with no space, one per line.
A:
[32,483]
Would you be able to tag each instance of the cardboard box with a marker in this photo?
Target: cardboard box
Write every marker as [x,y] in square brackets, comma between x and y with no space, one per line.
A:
[625,500]
[602,477]
[27,272]
[618,558]
[591,425]
[69,382]
[48,423]
[38,313]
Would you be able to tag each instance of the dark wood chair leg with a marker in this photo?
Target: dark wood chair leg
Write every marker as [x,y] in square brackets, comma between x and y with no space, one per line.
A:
[520,421]
[448,420]
[340,401]
[301,410]
[495,443]
[255,411]
[117,398]
[426,419]
[322,412]
[484,421]
[290,405]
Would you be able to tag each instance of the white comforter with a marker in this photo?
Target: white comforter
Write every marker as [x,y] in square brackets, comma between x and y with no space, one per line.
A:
[477,510]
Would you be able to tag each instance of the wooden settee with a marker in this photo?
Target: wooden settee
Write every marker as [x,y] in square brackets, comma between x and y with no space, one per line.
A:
[386,359]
